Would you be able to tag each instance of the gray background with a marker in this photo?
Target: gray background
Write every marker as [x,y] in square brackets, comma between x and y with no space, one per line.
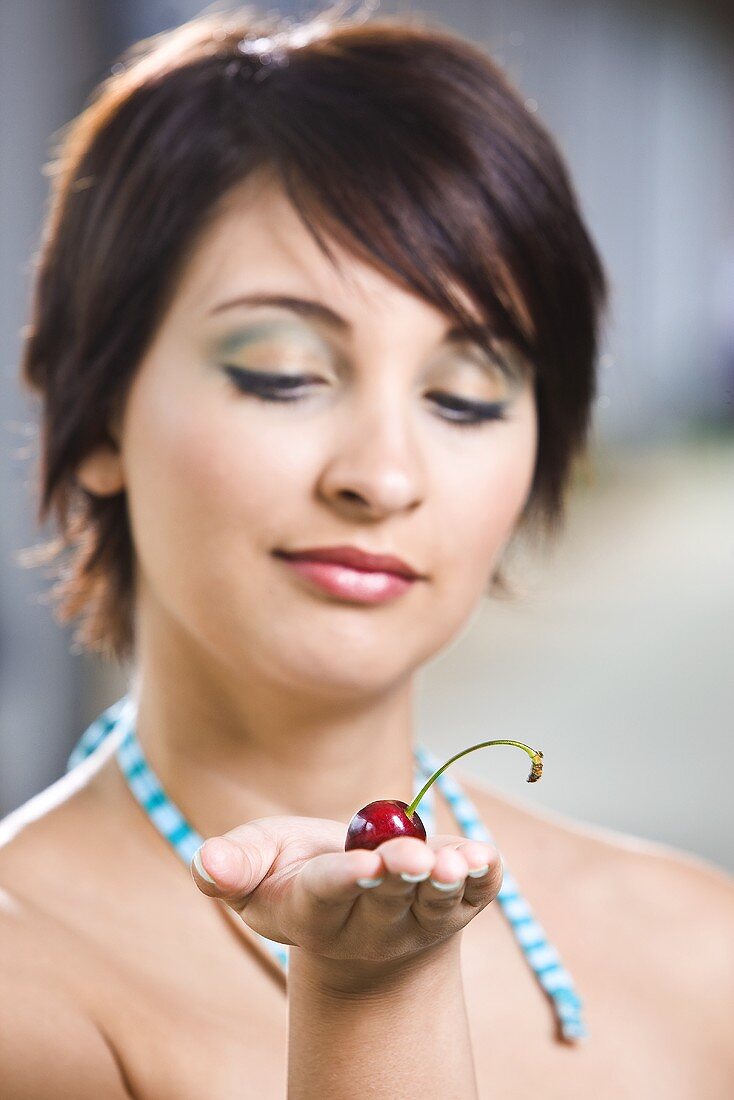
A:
[617,658]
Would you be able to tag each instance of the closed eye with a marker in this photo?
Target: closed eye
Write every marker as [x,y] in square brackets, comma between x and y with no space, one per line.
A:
[283,388]
[271,387]
[471,412]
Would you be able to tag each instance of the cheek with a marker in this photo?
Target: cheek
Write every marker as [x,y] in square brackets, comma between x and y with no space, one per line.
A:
[479,491]
[209,486]
[493,485]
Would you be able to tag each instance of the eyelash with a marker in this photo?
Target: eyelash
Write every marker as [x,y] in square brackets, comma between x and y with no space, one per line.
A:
[269,387]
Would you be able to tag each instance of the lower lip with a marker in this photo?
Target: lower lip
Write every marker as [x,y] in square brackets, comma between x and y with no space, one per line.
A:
[351,584]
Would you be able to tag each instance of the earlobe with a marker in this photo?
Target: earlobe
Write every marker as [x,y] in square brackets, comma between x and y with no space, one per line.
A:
[101,472]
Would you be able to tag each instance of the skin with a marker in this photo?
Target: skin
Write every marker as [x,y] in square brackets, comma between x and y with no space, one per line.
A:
[265,702]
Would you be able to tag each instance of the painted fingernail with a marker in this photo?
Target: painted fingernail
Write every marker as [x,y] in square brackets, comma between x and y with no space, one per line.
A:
[478,872]
[196,861]
[421,877]
[447,885]
[368,883]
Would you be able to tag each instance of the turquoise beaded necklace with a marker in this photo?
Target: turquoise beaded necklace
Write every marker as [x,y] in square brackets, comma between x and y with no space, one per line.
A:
[118,722]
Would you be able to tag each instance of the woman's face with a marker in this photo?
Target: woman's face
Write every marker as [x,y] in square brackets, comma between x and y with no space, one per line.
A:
[369,450]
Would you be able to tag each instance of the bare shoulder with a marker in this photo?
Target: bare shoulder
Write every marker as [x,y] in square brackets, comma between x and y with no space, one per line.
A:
[47,877]
[49,1045]
[655,873]
[53,816]
[673,908]
[74,841]
[61,872]
[688,904]
[41,839]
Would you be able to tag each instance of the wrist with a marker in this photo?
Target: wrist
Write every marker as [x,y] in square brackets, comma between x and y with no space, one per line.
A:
[385,1029]
[343,979]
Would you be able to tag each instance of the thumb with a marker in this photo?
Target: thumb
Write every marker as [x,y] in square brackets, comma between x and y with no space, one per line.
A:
[228,868]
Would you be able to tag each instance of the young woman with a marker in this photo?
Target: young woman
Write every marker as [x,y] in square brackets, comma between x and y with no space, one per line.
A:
[314,333]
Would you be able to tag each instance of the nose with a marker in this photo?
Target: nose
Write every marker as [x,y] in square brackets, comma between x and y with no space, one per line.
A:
[375,467]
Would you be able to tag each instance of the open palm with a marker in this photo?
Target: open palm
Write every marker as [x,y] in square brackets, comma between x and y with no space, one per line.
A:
[290,880]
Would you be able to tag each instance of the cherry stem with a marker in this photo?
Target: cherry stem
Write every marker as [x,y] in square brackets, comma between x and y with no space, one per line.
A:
[535,773]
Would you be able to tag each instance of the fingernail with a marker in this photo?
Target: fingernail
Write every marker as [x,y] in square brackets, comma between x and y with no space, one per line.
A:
[196,862]
[447,885]
[478,872]
[368,883]
[421,877]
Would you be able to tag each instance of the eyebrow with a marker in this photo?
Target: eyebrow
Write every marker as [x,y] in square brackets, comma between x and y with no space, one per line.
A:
[313,310]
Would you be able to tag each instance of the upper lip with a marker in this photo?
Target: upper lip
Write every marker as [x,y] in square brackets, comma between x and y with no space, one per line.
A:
[353,556]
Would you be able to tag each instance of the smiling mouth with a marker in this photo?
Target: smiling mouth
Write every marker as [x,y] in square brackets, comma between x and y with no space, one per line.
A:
[366,586]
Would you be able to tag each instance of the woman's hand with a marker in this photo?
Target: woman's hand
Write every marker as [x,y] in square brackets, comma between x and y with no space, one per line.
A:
[290,879]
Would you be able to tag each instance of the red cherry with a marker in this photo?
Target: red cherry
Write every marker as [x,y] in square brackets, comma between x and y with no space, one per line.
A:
[389,817]
[380,821]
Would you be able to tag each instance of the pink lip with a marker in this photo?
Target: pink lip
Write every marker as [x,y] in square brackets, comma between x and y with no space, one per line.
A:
[352,584]
[365,586]
[354,558]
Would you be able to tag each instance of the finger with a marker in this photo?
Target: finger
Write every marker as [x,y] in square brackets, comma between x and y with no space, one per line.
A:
[437,905]
[234,864]
[407,857]
[478,855]
[230,868]
[449,870]
[338,877]
[484,877]
[406,862]
[392,870]
[479,888]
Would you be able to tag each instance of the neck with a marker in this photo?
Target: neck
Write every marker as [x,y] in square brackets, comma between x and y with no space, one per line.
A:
[228,749]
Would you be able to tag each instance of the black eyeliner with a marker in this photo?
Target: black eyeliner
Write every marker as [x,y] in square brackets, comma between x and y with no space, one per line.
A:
[265,386]
[263,382]
[266,378]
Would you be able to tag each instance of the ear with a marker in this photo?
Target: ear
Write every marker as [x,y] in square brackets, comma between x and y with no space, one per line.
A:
[101,472]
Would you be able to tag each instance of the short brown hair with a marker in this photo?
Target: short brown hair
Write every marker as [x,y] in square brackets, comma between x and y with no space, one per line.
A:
[400,139]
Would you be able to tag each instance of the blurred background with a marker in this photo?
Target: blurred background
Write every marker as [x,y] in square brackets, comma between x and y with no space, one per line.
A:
[617,658]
